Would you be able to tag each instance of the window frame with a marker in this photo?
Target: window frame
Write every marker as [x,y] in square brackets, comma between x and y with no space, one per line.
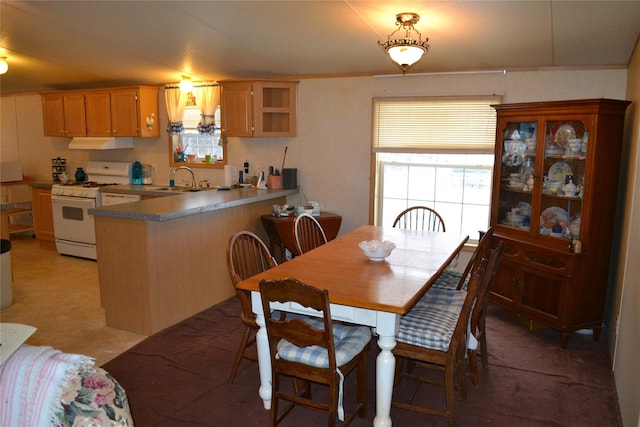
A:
[174,140]
[486,147]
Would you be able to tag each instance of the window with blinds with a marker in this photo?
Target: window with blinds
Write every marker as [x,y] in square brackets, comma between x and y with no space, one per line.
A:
[435,152]
[431,125]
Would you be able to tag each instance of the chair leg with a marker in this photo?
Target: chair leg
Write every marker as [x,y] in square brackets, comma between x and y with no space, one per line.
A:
[362,386]
[273,415]
[473,367]
[484,353]
[450,395]
[240,353]
[333,403]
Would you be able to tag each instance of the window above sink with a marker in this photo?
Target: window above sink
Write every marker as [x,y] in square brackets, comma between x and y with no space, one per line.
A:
[194,148]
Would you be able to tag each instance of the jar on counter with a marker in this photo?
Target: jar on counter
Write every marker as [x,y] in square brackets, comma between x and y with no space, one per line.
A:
[81,175]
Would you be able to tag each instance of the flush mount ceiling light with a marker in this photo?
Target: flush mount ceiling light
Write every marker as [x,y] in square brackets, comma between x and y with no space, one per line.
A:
[406,51]
[186,85]
[4,66]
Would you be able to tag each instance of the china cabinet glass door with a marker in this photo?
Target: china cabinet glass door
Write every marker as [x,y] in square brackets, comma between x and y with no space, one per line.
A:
[517,174]
[565,153]
[542,177]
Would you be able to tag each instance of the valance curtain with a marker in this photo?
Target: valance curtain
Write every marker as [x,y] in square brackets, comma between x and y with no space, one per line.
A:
[207,98]
[176,100]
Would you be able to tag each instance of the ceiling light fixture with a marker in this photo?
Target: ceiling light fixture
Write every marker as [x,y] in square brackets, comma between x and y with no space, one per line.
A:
[4,66]
[186,85]
[406,51]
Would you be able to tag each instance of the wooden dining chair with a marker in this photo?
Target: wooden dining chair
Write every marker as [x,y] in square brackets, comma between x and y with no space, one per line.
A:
[452,279]
[313,350]
[434,337]
[452,296]
[479,315]
[308,233]
[247,256]
[419,218]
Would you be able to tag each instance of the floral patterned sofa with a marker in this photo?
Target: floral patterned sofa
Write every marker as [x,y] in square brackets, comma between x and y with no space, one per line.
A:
[41,386]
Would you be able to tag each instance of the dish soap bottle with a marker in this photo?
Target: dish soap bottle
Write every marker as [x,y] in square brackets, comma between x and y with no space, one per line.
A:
[136,173]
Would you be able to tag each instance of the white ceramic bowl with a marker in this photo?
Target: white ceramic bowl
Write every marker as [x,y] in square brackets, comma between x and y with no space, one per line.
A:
[376,250]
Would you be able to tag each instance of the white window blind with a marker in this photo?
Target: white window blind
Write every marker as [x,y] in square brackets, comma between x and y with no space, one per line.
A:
[434,125]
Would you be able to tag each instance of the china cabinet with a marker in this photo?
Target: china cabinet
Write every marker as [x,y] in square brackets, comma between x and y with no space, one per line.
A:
[554,204]
[126,111]
[259,108]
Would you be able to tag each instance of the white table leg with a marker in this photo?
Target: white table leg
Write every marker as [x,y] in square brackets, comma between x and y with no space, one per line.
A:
[264,359]
[385,367]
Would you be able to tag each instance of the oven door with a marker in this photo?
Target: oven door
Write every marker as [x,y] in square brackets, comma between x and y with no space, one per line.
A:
[71,219]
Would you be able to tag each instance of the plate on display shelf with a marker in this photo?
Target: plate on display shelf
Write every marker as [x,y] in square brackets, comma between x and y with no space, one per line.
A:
[564,134]
[558,172]
[554,216]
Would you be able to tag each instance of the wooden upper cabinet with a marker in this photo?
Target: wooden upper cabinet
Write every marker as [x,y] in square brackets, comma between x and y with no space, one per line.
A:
[259,108]
[98,111]
[118,112]
[236,108]
[53,114]
[64,114]
[75,122]
[124,112]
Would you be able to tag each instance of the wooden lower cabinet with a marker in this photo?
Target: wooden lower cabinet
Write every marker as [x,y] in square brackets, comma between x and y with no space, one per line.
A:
[542,285]
[43,217]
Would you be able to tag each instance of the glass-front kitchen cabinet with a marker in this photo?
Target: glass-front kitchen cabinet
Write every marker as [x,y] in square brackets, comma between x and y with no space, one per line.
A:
[259,108]
[553,204]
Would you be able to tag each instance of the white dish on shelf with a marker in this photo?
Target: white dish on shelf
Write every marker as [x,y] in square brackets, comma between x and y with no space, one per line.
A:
[552,216]
[564,134]
[558,172]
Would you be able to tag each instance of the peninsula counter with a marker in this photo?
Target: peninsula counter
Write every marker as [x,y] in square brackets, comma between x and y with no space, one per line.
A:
[163,259]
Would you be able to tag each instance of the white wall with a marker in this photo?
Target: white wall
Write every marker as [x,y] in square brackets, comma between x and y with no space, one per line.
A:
[627,299]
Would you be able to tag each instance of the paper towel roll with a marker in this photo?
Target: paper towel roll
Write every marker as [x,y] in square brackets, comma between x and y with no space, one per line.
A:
[230,175]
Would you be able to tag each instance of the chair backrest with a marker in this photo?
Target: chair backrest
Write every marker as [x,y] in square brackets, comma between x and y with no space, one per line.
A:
[247,256]
[491,269]
[295,330]
[481,251]
[419,218]
[308,233]
[457,343]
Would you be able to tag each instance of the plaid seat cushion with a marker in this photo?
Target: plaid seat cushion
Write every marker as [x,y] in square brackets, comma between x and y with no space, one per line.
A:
[428,326]
[448,299]
[349,341]
[449,279]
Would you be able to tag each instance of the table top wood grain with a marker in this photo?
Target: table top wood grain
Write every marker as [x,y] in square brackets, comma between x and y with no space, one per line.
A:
[393,285]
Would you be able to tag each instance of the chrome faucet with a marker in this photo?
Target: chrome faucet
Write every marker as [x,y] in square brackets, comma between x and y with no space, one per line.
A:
[188,169]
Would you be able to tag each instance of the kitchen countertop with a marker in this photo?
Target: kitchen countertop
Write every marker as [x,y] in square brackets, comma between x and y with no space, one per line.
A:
[41,184]
[178,205]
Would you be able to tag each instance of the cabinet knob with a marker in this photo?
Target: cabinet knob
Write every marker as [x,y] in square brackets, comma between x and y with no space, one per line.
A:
[516,284]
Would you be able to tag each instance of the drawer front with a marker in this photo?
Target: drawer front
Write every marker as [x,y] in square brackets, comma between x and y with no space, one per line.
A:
[546,260]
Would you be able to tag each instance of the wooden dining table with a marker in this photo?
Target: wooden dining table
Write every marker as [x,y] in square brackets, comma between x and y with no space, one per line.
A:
[361,291]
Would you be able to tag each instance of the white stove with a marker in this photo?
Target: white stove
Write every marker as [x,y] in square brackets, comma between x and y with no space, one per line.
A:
[99,174]
[73,226]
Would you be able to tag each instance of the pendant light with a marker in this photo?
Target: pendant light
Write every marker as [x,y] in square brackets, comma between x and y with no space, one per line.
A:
[407,50]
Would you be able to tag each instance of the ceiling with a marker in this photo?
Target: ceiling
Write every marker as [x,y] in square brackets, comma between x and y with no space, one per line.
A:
[56,45]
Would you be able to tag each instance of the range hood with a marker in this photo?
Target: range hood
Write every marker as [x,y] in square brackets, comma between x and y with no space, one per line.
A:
[100,143]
